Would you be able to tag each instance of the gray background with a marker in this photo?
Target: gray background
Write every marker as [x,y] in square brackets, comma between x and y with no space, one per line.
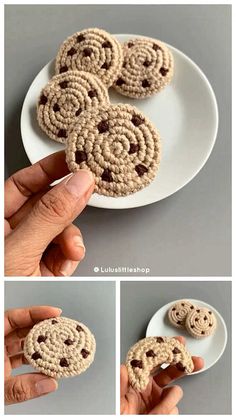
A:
[94,304]
[205,393]
[189,233]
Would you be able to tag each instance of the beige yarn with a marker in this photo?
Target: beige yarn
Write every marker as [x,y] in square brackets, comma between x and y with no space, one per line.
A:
[116,155]
[178,312]
[201,322]
[147,68]
[149,353]
[93,50]
[64,97]
[62,341]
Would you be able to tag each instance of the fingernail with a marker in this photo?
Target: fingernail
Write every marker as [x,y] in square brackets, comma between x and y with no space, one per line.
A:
[79,183]
[68,267]
[47,385]
[78,242]
[59,309]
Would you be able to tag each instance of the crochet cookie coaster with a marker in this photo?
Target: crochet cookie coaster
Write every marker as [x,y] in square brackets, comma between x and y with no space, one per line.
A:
[64,98]
[60,347]
[200,322]
[93,50]
[119,145]
[146,355]
[148,67]
[178,312]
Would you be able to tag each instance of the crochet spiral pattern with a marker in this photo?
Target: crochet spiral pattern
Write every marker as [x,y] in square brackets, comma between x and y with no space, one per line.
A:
[93,50]
[119,145]
[200,322]
[60,347]
[178,312]
[148,67]
[149,353]
[64,98]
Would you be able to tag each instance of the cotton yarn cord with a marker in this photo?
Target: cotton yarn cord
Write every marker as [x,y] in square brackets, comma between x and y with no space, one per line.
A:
[148,67]
[200,322]
[93,50]
[64,98]
[147,354]
[178,312]
[60,347]
[119,145]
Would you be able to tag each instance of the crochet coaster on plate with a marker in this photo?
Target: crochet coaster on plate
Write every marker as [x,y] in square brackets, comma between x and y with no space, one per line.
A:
[119,145]
[148,67]
[200,322]
[93,50]
[178,312]
[60,347]
[147,354]
[64,98]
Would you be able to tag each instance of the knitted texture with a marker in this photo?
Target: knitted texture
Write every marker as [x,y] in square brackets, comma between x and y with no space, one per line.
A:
[119,145]
[148,67]
[60,347]
[146,355]
[93,50]
[200,322]
[178,312]
[64,98]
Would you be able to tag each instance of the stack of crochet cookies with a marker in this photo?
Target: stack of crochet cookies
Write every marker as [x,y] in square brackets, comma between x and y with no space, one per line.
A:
[118,143]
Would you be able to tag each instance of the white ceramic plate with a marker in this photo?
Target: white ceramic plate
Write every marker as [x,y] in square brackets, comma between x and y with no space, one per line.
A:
[185,113]
[210,348]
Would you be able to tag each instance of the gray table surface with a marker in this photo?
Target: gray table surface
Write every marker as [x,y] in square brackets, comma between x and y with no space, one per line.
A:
[187,234]
[205,393]
[93,303]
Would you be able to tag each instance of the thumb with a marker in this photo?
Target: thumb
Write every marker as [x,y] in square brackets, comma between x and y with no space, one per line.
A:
[27,386]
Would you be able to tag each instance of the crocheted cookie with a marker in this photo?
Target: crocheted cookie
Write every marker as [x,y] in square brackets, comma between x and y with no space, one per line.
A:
[148,67]
[60,347]
[178,312]
[93,50]
[119,145]
[64,98]
[146,355]
[200,322]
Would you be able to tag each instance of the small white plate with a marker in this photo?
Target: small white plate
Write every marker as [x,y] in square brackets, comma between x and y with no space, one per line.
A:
[185,113]
[210,348]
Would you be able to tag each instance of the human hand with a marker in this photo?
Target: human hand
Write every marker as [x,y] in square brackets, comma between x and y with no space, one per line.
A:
[40,238]
[17,324]
[156,399]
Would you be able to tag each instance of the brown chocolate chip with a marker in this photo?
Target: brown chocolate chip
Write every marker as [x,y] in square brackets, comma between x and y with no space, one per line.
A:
[79,328]
[41,338]
[106,44]
[155,47]
[136,363]
[182,304]
[103,126]
[192,307]
[210,324]
[68,342]
[196,319]
[198,311]
[173,309]
[80,156]
[164,71]
[78,112]
[35,356]
[80,38]
[192,326]
[145,83]
[130,44]
[209,312]
[56,107]
[179,322]
[107,176]
[159,340]
[141,169]
[63,69]
[87,52]
[71,51]
[133,148]
[43,100]
[147,63]
[177,313]
[106,66]
[136,120]
[202,332]
[176,351]
[63,362]
[62,133]
[85,353]
[150,354]
[120,81]
[205,317]
[180,366]
[63,84]
[92,93]
[54,322]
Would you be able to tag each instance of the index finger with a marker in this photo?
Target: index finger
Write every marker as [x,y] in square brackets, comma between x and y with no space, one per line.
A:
[26,317]
[26,182]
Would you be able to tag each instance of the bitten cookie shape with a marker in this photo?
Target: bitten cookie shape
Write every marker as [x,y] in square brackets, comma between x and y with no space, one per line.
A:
[201,322]
[178,312]
[149,353]
[93,50]
[119,145]
[64,98]
[148,67]
[60,347]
